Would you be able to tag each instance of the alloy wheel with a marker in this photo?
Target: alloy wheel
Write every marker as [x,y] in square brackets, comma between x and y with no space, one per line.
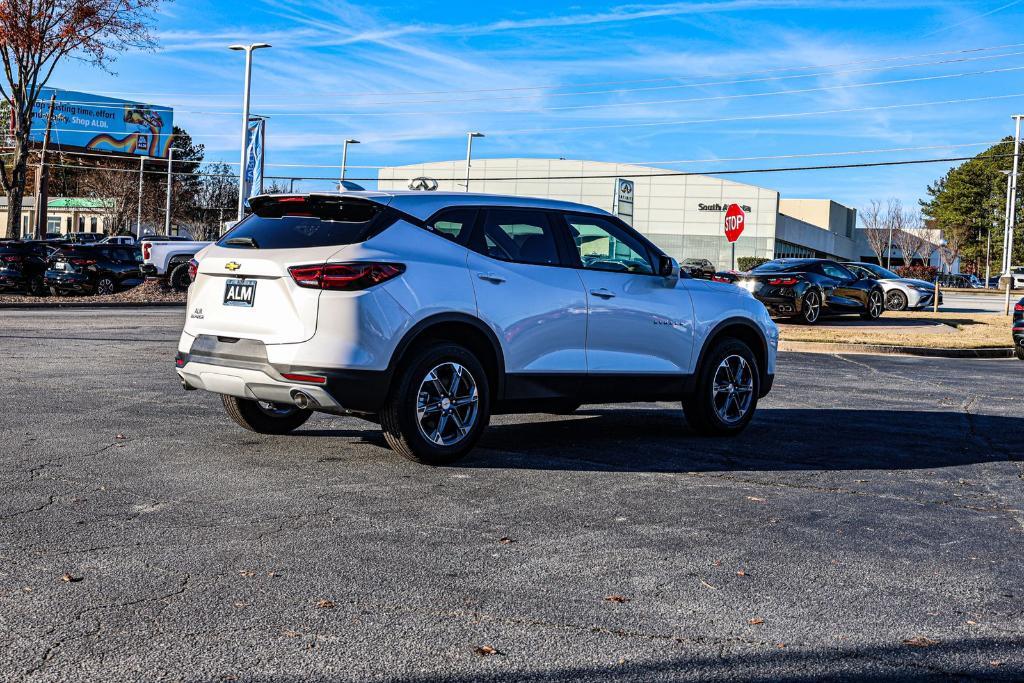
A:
[447,404]
[875,304]
[733,389]
[812,307]
[895,300]
[105,286]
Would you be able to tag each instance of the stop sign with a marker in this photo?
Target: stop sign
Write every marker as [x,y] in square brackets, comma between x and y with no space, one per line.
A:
[735,220]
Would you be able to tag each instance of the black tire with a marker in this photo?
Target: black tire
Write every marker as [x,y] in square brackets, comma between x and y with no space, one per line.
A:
[105,286]
[37,287]
[179,279]
[276,419]
[1020,351]
[403,427]
[54,291]
[702,409]
[896,300]
[876,305]
[810,311]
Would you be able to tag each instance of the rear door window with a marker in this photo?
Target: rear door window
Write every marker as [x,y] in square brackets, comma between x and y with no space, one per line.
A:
[300,222]
[521,236]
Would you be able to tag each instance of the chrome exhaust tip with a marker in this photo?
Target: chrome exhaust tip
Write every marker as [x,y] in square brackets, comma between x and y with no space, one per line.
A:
[303,401]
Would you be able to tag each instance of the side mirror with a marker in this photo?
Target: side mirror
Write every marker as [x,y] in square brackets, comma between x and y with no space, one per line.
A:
[668,267]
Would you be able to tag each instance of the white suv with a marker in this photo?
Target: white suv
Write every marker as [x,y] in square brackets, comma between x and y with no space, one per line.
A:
[429,312]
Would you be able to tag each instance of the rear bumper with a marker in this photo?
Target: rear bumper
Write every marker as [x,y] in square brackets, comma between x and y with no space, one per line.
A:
[240,368]
[67,282]
[13,281]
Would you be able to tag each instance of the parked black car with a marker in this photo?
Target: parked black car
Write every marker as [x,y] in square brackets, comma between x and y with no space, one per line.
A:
[1018,328]
[93,269]
[806,289]
[22,265]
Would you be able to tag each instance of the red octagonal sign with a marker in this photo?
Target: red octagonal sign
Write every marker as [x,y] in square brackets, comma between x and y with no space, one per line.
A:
[735,220]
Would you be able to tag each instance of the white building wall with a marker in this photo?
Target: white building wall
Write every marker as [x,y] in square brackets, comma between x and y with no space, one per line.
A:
[682,214]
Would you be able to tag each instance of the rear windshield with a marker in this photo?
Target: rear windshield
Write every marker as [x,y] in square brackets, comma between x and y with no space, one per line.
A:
[297,222]
[778,267]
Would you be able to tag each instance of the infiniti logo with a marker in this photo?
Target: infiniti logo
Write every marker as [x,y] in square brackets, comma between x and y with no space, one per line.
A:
[423,183]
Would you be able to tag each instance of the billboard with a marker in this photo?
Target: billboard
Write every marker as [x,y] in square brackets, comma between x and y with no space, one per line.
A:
[103,124]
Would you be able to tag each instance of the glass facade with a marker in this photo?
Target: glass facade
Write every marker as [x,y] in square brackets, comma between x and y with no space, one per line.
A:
[714,248]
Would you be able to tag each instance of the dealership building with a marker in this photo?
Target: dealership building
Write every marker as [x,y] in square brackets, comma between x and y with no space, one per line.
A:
[682,214]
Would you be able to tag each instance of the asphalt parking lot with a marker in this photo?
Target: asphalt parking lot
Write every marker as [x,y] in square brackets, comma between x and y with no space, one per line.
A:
[869,526]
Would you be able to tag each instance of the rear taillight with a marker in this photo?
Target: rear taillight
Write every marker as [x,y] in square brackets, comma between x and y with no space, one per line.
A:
[193,270]
[83,261]
[11,258]
[719,278]
[344,277]
[783,281]
[147,249]
[1018,307]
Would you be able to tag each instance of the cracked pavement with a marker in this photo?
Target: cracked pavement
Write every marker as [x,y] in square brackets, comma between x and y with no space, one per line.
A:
[874,500]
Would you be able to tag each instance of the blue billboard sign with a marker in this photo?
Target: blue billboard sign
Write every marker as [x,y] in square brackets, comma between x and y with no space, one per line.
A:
[103,124]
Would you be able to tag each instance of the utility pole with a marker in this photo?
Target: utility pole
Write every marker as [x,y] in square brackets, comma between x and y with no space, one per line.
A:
[246,86]
[43,178]
[344,162]
[138,215]
[469,153]
[170,182]
[1012,212]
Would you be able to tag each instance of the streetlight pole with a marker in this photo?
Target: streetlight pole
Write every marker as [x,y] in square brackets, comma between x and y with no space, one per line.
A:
[344,162]
[469,153]
[138,215]
[248,49]
[1012,211]
[170,182]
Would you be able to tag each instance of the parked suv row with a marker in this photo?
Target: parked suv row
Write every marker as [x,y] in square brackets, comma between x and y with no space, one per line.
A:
[429,311]
[93,269]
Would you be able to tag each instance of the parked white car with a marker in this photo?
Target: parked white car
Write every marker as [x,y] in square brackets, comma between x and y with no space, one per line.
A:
[122,240]
[430,311]
[901,293]
[162,257]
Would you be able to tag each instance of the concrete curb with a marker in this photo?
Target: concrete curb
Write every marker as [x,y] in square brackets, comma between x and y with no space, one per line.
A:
[88,304]
[886,349]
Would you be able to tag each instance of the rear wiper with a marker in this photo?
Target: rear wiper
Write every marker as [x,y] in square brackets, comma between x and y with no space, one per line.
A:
[242,241]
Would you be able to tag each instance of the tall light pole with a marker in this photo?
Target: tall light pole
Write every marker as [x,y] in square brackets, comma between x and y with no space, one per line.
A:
[138,215]
[1012,211]
[344,162]
[469,153]
[170,182]
[248,49]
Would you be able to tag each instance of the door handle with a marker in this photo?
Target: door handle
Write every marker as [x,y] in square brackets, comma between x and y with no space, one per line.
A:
[491,277]
[603,293]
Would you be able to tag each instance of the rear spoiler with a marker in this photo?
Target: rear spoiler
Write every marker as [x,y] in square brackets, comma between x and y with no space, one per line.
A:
[262,202]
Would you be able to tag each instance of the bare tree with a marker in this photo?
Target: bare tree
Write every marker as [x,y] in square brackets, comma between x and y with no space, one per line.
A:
[35,35]
[909,237]
[872,217]
[215,199]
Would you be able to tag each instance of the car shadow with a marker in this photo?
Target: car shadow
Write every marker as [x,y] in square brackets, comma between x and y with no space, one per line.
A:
[658,440]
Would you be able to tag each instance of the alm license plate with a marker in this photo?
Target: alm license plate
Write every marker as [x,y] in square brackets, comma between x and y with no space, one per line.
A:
[240,293]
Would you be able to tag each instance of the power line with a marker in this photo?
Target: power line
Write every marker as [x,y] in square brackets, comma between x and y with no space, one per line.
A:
[885,150]
[641,176]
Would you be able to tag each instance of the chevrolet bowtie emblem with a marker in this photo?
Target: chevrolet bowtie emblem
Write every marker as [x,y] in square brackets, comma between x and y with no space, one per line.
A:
[232,265]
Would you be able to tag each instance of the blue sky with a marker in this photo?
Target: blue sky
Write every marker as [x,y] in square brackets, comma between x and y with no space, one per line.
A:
[638,83]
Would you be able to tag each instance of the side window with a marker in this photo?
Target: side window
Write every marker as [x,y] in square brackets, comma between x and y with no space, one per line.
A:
[455,224]
[836,271]
[606,246]
[522,236]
